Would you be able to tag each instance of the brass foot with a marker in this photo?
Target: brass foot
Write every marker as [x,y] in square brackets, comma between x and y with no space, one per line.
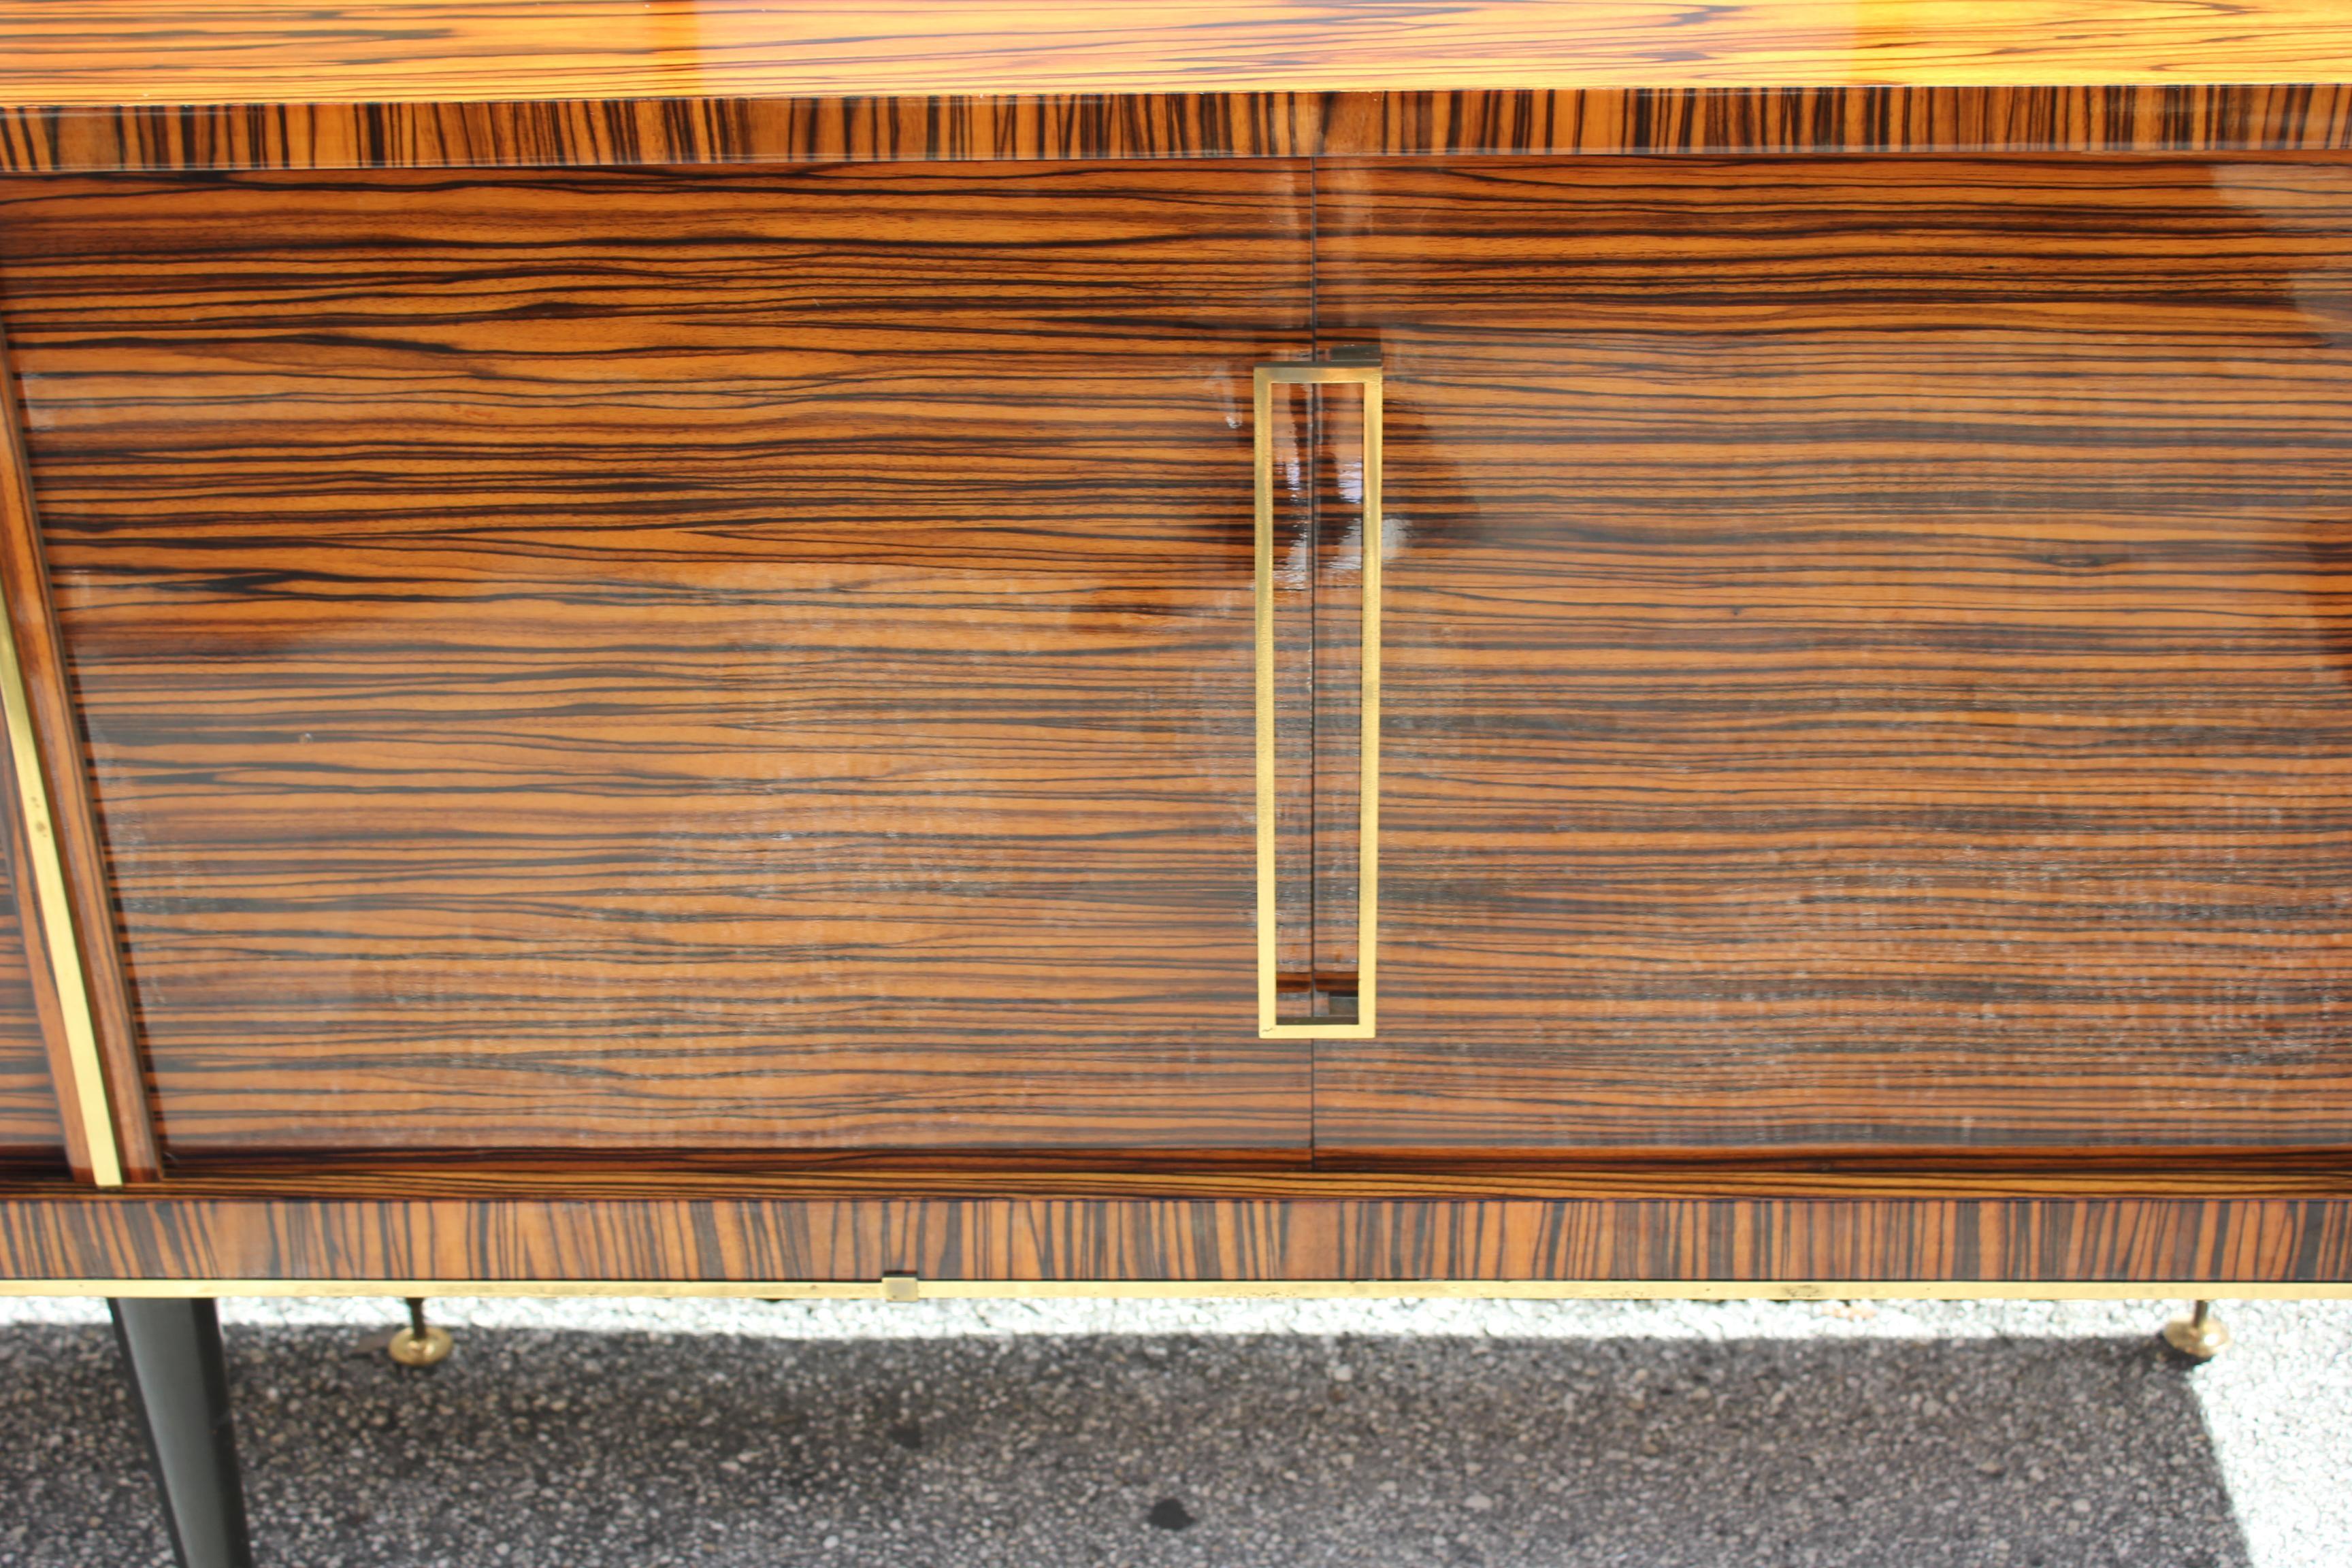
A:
[2200,1336]
[421,1343]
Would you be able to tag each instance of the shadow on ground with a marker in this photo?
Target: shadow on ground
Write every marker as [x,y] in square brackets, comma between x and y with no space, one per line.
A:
[573,1450]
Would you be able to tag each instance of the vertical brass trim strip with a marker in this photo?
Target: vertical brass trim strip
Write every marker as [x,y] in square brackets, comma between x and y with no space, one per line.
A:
[47,872]
[1262,602]
[62,888]
[1368,881]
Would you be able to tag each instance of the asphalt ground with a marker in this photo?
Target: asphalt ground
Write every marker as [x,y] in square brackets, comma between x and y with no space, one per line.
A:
[581,1434]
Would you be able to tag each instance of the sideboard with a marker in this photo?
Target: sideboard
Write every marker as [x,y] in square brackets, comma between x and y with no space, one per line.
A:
[674,650]
[1085,660]
[1301,647]
[1526,647]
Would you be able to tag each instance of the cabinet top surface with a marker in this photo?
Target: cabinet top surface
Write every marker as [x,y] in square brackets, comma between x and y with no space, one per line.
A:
[103,52]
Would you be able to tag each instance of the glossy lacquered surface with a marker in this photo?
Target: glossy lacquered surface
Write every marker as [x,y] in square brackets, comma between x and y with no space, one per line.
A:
[28,1104]
[273,51]
[1478,121]
[661,661]
[101,85]
[63,900]
[196,1236]
[1866,654]
[631,663]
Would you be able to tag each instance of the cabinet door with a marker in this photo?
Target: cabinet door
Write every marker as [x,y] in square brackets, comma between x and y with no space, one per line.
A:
[702,659]
[1866,654]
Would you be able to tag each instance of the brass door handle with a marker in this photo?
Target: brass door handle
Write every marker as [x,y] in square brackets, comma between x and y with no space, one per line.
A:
[1368,377]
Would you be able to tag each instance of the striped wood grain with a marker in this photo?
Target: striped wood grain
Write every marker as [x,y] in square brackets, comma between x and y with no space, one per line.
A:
[29,1127]
[671,661]
[267,51]
[633,132]
[653,130]
[1867,657]
[113,1088]
[1805,118]
[60,1236]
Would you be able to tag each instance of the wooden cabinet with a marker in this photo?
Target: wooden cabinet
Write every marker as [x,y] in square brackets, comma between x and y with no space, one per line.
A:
[666,692]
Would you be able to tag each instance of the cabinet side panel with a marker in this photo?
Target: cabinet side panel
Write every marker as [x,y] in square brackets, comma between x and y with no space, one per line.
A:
[31,1128]
[1867,654]
[28,1100]
[664,660]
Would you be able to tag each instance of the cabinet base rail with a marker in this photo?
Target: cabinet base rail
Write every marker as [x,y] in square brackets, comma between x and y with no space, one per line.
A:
[902,1287]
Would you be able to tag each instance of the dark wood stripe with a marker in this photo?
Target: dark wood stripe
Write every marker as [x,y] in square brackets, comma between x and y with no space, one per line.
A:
[2269,1240]
[24,569]
[2207,1173]
[1724,121]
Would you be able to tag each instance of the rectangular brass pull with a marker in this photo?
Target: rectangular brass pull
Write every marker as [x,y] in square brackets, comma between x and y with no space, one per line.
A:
[1270,978]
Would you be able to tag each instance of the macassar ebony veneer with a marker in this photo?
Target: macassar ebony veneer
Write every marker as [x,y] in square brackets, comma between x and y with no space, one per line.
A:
[718,659]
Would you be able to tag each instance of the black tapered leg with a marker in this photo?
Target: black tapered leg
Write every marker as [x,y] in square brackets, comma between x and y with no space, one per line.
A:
[172,1352]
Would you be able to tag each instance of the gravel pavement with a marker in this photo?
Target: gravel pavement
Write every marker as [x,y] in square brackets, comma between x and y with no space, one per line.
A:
[964,1435]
